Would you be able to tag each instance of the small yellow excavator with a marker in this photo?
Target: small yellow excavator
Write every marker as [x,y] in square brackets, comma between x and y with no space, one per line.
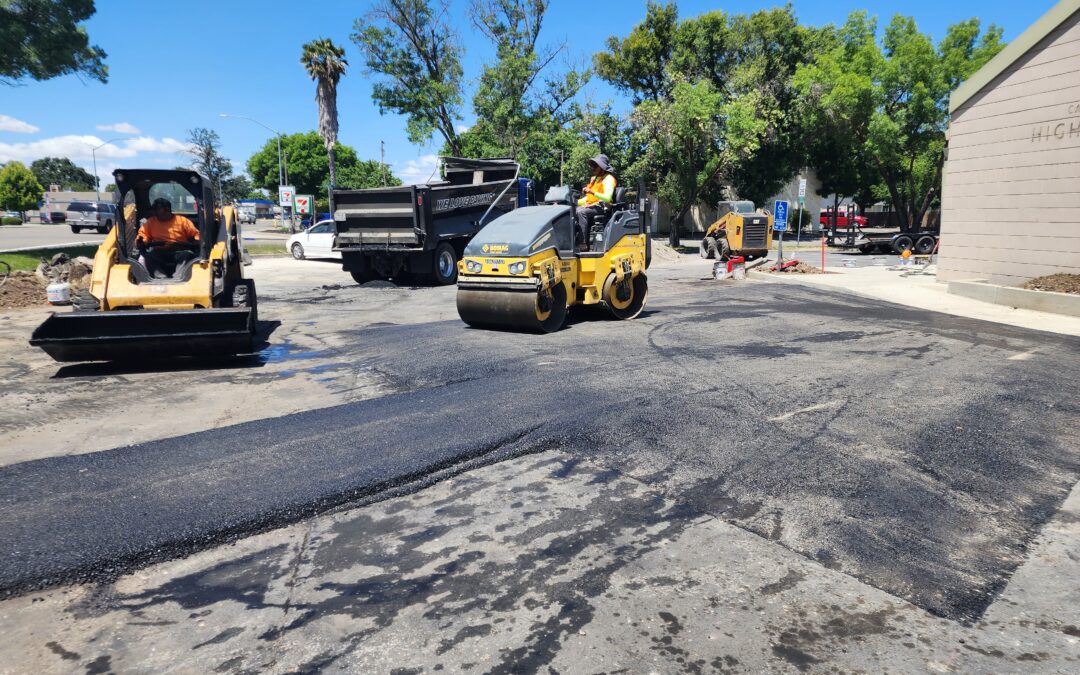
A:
[739,230]
[524,270]
[199,305]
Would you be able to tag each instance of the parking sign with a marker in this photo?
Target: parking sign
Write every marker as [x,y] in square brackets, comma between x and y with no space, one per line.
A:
[780,213]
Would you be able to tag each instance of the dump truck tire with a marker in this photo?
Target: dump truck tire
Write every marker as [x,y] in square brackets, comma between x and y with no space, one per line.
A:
[925,245]
[902,243]
[444,264]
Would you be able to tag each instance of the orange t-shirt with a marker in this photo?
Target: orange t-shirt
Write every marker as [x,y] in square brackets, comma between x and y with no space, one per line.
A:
[173,231]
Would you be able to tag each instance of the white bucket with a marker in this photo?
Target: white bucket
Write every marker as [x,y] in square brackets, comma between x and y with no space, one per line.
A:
[719,270]
[738,271]
[59,293]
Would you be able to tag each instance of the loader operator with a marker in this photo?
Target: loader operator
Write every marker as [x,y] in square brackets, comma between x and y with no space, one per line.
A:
[166,239]
[599,191]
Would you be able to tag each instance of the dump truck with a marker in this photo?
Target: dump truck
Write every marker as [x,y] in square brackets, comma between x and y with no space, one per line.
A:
[421,230]
[203,306]
[525,272]
[740,229]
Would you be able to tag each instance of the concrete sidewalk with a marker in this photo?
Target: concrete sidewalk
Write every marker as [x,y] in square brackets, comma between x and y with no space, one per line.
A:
[924,292]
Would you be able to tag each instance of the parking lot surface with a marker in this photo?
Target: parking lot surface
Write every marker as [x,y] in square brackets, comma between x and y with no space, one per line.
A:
[513,499]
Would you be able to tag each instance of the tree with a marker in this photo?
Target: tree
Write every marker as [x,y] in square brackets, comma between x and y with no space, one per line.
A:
[367,173]
[891,100]
[713,101]
[63,172]
[19,190]
[43,39]
[325,63]
[413,47]
[307,163]
[111,187]
[204,146]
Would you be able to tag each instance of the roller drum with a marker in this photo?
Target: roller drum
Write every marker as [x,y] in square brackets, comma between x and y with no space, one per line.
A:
[512,309]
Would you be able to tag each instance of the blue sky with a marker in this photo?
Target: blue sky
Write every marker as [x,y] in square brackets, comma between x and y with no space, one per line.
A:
[177,65]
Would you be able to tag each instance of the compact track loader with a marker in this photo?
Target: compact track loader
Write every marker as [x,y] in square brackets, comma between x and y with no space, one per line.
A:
[202,307]
[524,270]
[739,230]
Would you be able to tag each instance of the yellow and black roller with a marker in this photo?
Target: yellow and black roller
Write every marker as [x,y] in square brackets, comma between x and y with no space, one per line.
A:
[522,271]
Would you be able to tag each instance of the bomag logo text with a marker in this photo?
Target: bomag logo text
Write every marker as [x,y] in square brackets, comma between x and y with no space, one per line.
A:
[495,248]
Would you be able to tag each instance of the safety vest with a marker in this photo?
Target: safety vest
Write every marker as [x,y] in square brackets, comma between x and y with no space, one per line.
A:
[603,186]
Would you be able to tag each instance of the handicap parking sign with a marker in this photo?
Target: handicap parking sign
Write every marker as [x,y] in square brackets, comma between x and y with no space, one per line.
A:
[780,213]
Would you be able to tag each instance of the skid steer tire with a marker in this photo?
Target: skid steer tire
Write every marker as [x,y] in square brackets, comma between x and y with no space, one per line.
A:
[707,248]
[722,250]
[243,295]
[83,301]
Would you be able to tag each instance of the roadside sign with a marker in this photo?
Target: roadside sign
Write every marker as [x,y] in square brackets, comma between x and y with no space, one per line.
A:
[53,187]
[802,188]
[286,194]
[303,204]
[780,213]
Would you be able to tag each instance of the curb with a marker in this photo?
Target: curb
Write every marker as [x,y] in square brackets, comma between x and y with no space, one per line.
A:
[75,244]
[1018,298]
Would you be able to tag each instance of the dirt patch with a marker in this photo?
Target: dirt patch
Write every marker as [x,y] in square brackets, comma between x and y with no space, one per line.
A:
[22,289]
[1058,283]
[798,268]
[662,252]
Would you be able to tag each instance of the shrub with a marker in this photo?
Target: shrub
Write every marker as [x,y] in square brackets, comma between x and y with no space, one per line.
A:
[10,220]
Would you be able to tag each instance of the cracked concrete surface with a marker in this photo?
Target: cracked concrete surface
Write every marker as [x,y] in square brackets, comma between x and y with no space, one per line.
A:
[542,563]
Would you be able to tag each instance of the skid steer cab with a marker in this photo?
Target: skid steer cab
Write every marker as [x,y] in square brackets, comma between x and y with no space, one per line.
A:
[156,299]
[524,271]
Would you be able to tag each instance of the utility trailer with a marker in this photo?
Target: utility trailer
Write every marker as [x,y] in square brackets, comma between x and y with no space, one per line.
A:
[421,230]
[923,242]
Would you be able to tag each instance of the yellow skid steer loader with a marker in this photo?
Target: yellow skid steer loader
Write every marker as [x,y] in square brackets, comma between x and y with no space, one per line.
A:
[200,305]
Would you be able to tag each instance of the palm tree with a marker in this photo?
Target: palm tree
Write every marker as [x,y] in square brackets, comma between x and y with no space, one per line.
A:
[325,63]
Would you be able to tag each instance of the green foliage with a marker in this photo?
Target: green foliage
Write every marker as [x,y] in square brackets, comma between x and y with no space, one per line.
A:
[638,64]
[111,187]
[713,101]
[412,47]
[27,261]
[43,39]
[10,220]
[885,106]
[306,161]
[367,173]
[19,190]
[63,172]
[204,147]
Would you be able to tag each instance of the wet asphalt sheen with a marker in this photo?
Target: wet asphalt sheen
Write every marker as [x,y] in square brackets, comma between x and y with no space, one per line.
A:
[902,447]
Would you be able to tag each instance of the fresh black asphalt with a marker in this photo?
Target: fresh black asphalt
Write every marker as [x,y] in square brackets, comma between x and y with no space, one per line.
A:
[903,447]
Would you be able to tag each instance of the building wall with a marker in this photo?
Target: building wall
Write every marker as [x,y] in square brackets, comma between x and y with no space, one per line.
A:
[1011,187]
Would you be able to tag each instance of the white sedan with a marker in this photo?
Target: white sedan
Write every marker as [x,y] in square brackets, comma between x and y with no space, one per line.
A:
[315,242]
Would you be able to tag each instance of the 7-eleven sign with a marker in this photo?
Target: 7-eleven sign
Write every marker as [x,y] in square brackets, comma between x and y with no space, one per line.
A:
[303,204]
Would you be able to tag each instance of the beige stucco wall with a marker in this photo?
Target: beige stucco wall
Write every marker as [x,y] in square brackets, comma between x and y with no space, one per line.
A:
[1011,188]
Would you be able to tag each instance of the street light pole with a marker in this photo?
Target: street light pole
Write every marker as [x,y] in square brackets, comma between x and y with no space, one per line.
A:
[93,154]
[280,170]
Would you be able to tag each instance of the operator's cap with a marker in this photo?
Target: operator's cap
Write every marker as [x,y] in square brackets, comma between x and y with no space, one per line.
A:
[162,202]
[602,162]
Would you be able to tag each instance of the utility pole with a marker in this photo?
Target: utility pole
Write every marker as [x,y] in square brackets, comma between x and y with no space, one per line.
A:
[97,181]
[382,162]
[562,162]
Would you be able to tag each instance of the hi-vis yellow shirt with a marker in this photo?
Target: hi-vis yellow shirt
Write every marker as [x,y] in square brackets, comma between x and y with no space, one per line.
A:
[604,189]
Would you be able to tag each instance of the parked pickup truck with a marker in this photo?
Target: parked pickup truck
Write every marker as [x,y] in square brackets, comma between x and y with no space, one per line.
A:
[98,216]
[825,220]
[421,230]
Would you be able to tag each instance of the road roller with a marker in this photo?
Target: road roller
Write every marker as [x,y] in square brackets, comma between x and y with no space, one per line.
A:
[525,270]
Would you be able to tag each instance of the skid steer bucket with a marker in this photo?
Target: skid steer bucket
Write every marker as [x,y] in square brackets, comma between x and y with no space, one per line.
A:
[141,335]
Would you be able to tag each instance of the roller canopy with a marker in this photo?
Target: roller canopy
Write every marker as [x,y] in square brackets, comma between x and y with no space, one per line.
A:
[525,231]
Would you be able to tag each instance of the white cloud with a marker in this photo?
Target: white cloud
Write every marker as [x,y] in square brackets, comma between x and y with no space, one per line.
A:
[17,126]
[462,128]
[418,170]
[120,128]
[80,147]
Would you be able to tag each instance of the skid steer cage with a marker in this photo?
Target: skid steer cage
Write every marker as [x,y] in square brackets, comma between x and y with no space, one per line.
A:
[145,335]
